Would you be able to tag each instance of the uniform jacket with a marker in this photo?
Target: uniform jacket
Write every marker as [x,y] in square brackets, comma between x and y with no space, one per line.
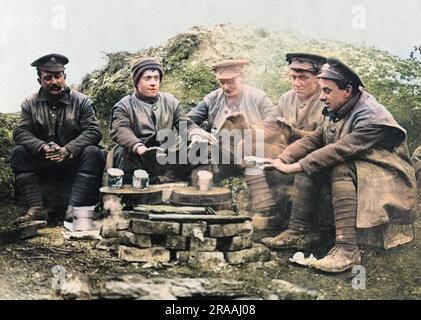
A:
[386,186]
[135,121]
[70,122]
[254,104]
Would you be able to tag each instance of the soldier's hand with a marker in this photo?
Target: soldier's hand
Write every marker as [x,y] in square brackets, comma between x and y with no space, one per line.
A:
[203,137]
[284,124]
[141,150]
[283,167]
[60,154]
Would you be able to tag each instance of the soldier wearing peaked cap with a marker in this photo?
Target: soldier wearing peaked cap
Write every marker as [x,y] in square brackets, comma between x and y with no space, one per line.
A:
[361,152]
[57,139]
[234,106]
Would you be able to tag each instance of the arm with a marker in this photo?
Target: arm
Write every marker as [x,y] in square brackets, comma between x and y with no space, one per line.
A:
[121,129]
[302,147]
[24,132]
[266,108]
[91,132]
[200,113]
[349,147]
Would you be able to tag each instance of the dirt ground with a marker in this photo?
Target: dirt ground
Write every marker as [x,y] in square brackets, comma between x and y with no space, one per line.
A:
[26,269]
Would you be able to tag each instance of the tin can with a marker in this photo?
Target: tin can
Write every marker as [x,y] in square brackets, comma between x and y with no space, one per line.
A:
[140,179]
[115,178]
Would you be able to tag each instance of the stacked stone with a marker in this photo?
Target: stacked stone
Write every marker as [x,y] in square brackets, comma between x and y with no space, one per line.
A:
[186,238]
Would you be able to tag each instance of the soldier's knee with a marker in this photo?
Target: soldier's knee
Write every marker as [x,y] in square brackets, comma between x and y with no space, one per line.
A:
[93,152]
[344,171]
[19,155]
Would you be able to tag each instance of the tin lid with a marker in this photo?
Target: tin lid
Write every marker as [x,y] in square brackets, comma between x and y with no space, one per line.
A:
[141,174]
[115,172]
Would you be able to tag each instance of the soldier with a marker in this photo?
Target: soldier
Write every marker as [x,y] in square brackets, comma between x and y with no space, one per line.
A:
[361,152]
[138,118]
[223,107]
[58,134]
[301,108]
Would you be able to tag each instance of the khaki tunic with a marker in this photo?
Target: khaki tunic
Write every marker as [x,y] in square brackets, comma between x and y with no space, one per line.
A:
[386,186]
[254,104]
[303,115]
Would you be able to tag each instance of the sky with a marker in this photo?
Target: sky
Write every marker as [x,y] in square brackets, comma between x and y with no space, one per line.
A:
[84,29]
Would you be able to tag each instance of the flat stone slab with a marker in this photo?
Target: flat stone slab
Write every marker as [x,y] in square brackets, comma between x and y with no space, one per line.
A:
[193,217]
[154,254]
[193,229]
[287,291]
[133,239]
[235,243]
[141,226]
[229,230]
[22,231]
[176,243]
[257,253]
[205,258]
[208,244]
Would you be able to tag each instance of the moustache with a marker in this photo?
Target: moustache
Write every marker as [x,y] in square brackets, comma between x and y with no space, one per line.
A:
[55,87]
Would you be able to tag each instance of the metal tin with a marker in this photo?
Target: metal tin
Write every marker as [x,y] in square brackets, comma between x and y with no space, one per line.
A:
[140,179]
[115,178]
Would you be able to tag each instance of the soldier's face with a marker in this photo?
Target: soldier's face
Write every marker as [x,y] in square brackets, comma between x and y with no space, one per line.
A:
[332,96]
[231,87]
[149,84]
[304,83]
[52,82]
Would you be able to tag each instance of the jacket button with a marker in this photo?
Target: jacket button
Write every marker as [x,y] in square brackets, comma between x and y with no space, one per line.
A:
[226,111]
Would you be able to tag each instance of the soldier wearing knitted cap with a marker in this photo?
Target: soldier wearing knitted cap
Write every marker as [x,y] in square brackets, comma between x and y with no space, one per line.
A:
[138,118]
[360,151]
[57,140]
[235,105]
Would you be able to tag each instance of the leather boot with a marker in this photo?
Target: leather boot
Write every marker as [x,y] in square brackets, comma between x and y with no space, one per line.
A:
[345,254]
[288,239]
[339,259]
[34,213]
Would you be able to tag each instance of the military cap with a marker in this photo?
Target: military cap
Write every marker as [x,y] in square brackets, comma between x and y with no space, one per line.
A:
[305,61]
[228,69]
[53,62]
[141,65]
[334,69]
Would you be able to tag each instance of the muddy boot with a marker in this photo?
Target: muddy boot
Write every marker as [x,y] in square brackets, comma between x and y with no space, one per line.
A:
[288,239]
[339,259]
[34,213]
[345,254]
[261,199]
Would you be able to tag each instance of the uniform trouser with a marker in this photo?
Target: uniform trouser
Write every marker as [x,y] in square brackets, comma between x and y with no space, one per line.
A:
[343,182]
[129,162]
[85,171]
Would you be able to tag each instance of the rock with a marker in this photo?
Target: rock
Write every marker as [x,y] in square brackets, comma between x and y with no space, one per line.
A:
[176,242]
[257,253]
[208,259]
[72,286]
[23,231]
[229,230]
[154,254]
[123,224]
[138,287]
[139,240]
[154,227]
[108,244]
[261,222]
[192,229]
[108,230]
[208,244]
[234,243]
[288,291]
